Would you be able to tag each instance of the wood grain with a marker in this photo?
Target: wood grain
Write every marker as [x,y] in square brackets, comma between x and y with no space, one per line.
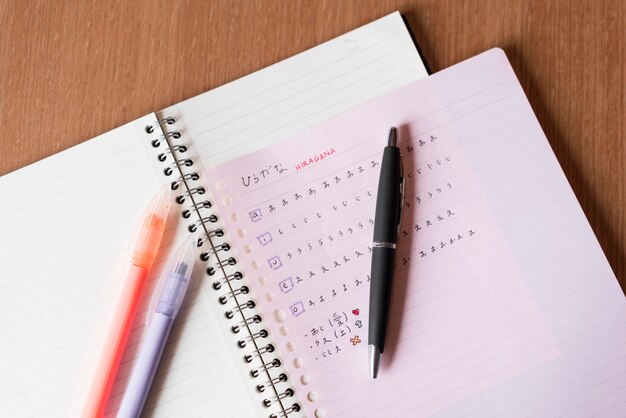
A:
[72,70]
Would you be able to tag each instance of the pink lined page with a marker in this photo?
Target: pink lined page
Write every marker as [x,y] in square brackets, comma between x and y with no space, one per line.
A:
[489,221]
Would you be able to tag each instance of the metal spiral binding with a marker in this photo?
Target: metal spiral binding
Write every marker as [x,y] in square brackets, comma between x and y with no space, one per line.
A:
[252,320]
[286,394]
[280,378]
[207,254]
[193,227]
[266,366]
[192,196]
[285,412]
[217,285]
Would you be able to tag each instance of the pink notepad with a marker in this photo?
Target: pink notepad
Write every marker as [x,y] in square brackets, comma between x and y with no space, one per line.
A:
[500,283]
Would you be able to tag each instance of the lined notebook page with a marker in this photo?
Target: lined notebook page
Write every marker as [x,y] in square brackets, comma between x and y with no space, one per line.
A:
[67,227]
[59,292]
[288,97]
[503,301]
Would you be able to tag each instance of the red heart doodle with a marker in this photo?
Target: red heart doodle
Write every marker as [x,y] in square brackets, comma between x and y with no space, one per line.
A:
[356,312]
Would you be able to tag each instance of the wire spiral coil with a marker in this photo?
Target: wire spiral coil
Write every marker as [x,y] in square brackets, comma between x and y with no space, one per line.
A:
[235,295]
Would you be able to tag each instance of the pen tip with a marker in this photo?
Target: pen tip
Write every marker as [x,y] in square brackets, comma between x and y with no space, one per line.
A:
[393,137]
[374,356]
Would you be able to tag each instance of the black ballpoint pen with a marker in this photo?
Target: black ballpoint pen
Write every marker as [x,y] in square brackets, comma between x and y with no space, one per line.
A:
[386,227]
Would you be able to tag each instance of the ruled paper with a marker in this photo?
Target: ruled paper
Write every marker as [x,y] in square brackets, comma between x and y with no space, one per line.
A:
[268,105]
[68,227]
[503,302]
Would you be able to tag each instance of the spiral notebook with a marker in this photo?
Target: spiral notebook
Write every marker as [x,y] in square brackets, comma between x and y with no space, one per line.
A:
[67,225]
[504,304]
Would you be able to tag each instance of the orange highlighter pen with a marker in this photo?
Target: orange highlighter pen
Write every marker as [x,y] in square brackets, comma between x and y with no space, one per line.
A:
[143,257]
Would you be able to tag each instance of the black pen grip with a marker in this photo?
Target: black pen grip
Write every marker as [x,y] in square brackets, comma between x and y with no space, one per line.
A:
[380,295]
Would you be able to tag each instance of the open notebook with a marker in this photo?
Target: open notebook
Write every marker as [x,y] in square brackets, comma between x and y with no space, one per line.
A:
[504,304]
[67,229]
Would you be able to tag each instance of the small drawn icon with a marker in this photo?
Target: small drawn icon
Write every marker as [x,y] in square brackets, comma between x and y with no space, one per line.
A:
[356,311]
[275,263]
[358,323]
[355,340]
[265,238]
[297,309]
[256,215]
[286,285]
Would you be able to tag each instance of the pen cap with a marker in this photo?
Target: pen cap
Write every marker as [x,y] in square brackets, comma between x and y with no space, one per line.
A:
[172,287]
[152,229]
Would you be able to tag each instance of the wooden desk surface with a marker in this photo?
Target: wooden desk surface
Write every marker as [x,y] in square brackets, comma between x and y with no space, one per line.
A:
[72,70]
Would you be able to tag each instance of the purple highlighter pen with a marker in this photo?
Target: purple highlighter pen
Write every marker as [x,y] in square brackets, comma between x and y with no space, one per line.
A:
[164,306]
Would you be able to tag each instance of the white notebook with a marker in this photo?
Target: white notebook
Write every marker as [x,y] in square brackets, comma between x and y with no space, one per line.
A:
[67,227]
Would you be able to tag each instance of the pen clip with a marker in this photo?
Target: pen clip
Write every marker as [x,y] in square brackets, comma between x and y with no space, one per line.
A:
[402,183]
